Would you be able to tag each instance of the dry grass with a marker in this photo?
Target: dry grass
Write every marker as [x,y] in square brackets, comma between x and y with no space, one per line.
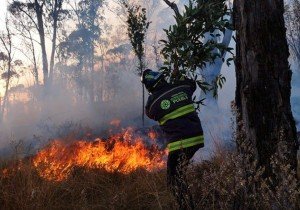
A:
[229,180]
[221,183]
[91,189]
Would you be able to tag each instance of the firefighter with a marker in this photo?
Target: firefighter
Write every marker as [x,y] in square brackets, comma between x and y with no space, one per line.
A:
[172,106]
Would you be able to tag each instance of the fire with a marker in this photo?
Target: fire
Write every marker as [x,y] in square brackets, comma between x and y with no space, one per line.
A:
[122,153]
[115,122]
[5,172]
[152,135]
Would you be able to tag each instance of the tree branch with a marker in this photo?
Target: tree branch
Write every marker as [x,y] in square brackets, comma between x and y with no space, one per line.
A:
[3,43]
[30,17]
[27,29]
[173,6]
[7,48]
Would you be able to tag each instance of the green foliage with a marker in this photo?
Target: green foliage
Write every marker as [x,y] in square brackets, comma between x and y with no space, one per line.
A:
[185,50]
[218,83]
[81,42]
[55,10]
[137,27]
[9,75]
[51,9]
[16,7]
[3,56]
[78,44]
[88,12]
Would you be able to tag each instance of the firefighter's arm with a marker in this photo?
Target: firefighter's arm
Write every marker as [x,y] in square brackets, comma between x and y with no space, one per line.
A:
[147,109]
[148,114]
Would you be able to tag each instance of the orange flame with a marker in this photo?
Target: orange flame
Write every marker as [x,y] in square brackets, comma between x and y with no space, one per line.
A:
[122,153]
[115,122]
[152,135]
[5,172]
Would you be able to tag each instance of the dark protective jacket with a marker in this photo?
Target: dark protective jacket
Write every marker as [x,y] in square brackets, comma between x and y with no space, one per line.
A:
[172,106]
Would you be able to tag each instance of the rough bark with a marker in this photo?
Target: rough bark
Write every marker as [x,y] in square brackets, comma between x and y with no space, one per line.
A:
[264,79]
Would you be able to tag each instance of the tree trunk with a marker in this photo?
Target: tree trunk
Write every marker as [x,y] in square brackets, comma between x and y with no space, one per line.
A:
[92,75]
[264,79]
[55,21]
[5,99]
[211,72]
[53,51]
[36,72]
[8,47]
[143,91]
[39,15]
[35,69]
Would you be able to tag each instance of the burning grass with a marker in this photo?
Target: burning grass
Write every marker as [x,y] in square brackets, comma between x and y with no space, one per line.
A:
[219,183]
[122,153]
[95,175]
[88,189]
[124,171]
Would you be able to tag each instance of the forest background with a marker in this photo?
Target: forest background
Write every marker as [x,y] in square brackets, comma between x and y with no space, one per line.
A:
[92,74]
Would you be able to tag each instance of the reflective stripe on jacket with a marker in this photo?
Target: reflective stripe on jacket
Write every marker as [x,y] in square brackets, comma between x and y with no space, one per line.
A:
[172,106]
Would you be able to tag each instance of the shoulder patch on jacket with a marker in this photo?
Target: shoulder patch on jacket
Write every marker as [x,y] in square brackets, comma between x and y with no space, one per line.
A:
[165,104]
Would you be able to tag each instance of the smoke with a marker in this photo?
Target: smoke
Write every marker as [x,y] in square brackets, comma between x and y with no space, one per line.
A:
[61,109]
[68,106]
[295,97]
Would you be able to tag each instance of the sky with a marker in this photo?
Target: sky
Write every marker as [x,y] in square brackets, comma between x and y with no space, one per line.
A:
[226,95]
[3,6]
[109,15]
[227,92]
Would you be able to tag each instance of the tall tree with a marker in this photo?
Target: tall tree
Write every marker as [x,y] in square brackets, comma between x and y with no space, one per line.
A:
[80,44]
[25,30]
[38,9]
[82,41]
[55,10]
[41,14]
[137,26]
[264,80]
[7,63]
[6,42]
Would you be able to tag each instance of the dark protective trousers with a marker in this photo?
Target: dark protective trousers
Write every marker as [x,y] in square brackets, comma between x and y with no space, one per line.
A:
[177,164]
